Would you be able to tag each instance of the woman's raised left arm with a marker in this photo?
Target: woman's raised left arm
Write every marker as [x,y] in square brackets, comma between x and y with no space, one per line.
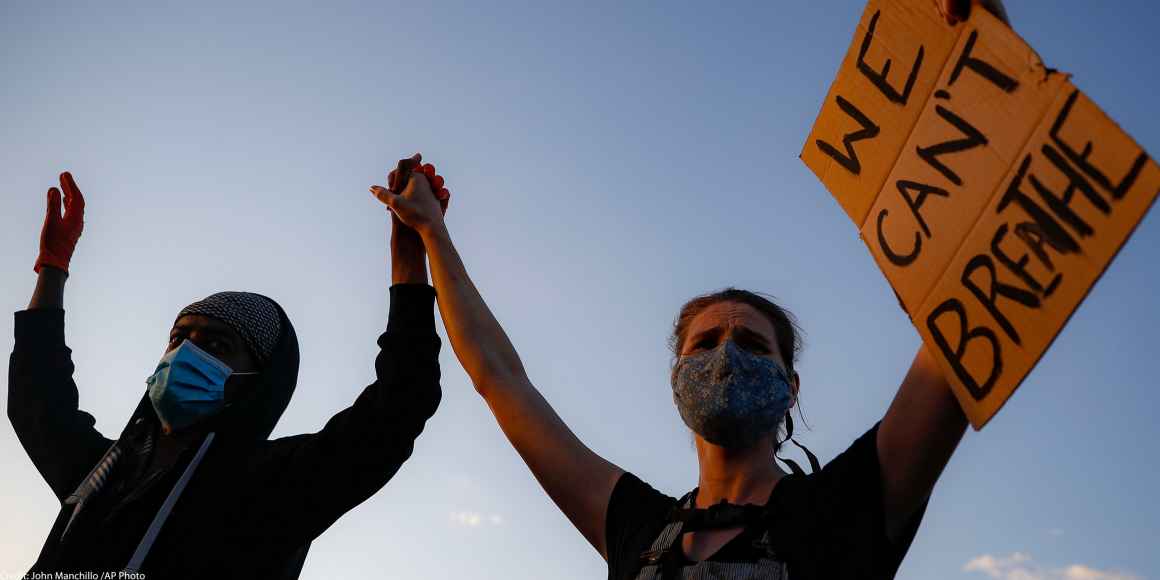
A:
[921,429]
[924,423]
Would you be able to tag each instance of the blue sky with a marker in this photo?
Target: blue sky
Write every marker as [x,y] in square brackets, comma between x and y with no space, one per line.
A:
[607,162]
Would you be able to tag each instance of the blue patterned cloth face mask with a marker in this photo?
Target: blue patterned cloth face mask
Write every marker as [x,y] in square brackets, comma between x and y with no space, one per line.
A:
[729,396]
[188,385]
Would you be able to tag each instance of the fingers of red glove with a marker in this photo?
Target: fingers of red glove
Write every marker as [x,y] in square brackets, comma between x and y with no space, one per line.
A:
[436,181]
[74,202]
[53,204]
[429,170]
[443,194]
[57,238]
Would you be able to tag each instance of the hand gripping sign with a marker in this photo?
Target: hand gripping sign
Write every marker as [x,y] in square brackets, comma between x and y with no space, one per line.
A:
[990,191]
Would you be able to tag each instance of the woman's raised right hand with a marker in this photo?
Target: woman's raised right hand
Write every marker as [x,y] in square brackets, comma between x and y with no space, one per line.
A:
[421,200]
[955,11]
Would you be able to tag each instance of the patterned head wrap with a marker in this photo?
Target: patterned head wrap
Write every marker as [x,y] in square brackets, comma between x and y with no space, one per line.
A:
[254,317]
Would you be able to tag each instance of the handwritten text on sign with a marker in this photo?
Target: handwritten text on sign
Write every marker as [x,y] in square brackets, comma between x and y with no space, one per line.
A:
[990,191]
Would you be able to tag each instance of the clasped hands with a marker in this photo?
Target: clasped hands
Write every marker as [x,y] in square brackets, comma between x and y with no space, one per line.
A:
[415,193]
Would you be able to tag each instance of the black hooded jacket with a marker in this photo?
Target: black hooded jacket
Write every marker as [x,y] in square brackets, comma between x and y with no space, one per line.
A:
[252,505]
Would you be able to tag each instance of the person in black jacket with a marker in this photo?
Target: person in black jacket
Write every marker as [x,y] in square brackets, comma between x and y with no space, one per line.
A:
[193,487]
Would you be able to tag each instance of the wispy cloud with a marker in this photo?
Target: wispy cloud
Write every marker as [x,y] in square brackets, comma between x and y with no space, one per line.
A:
[1021,566]
[475,519]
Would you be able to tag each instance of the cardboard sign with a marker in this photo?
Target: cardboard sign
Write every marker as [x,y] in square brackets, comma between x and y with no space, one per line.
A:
[990,191]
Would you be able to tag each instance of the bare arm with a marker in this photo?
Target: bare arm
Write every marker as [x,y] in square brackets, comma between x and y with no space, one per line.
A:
[916,439]
[579,481]
[49,293]
[924,423]
[408,259]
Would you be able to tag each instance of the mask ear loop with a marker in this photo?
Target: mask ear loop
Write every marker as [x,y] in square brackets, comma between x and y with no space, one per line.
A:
[229,404]
[793,465]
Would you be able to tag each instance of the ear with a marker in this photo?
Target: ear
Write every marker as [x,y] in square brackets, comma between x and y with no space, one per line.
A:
[794,387]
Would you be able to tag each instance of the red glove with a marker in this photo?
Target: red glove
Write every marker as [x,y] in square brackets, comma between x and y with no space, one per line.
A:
[58,238]
[441,193]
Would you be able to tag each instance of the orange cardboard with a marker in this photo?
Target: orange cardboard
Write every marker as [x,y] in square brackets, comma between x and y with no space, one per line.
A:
[1007,197]
[971,130]
[898,50]
[1056,222]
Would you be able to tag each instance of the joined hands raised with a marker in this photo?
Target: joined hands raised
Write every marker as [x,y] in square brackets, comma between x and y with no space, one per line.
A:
[415,193]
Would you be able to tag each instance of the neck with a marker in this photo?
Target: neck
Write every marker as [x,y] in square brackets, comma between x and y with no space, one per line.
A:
[171,443]
[738,476]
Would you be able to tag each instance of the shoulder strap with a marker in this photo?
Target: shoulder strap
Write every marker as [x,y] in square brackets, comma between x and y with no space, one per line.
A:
[166,507]
[659,559]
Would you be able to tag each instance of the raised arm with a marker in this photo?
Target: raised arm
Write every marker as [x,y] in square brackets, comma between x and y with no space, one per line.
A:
[916,439]
[42,397]
[924,423]
[363,446]
[579,481]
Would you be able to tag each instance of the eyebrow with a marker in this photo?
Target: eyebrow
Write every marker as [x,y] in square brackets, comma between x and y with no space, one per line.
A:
[708,333]
[754,335]
[212,329]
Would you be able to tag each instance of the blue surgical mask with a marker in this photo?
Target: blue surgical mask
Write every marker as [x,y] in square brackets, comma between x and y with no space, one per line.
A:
[729,396]
[188,385]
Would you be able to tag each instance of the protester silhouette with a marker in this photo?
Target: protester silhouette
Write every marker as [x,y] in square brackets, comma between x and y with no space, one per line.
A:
[193,487]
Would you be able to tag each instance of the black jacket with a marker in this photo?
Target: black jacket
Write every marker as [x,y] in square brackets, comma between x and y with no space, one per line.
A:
[253,505]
